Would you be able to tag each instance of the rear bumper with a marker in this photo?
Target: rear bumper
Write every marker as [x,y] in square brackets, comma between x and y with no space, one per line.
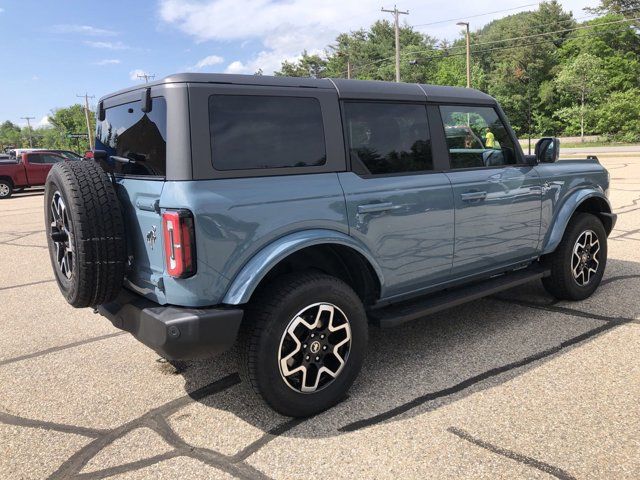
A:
[176,333]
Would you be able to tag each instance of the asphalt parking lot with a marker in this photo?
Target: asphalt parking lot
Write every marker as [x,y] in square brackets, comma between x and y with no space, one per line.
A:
[513,386]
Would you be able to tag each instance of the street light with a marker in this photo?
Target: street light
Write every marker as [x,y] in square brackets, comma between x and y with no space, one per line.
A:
[466,24]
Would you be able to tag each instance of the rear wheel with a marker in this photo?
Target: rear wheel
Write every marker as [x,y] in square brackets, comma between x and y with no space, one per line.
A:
[85,233]
[304,342]
[6,189]
[578,264]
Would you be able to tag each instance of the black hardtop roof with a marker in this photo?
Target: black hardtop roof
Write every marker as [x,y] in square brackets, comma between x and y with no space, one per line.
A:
[347,89]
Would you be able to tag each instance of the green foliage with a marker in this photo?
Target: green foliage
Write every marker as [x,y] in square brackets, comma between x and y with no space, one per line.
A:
[10,135]
[619,116]
[63,122]
[551,75]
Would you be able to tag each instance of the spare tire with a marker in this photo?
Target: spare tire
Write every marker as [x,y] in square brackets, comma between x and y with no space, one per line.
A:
[85,233]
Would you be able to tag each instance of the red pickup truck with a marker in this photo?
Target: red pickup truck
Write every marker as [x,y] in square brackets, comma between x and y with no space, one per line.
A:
[29,171]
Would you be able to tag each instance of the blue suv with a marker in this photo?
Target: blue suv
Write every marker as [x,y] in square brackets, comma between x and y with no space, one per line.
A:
[286,215]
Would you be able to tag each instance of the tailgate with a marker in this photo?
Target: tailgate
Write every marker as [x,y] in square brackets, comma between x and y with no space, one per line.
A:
[140,199]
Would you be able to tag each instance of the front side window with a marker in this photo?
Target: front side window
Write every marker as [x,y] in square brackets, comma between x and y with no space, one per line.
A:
[258,132]
[388,138]
[140,137]
[476,137]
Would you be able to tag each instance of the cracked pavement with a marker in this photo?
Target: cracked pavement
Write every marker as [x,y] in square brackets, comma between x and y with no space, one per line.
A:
[513,386]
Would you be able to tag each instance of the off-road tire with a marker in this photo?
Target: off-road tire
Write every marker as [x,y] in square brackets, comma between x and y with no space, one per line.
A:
[98,240]
[267,317]
[561,283]
[6,189]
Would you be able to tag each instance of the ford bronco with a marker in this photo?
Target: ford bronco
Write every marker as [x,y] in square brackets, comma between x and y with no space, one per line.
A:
[289,214]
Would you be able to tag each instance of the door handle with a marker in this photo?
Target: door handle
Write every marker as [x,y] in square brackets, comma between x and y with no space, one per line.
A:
[376,207]
[472,196]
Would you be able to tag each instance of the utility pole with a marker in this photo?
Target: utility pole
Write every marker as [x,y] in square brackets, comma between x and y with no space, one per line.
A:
[146,77]
[396,14]
[29,129]
[86,116]
[466,24]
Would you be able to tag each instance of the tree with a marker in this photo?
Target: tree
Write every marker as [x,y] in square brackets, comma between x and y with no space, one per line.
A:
[629,8]
[619,116]
[306,66]
[10,135]
[582,79]
[67,121]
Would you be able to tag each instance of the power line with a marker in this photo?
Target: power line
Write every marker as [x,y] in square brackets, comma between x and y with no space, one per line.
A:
[583,27]
[444,52]
[474,16]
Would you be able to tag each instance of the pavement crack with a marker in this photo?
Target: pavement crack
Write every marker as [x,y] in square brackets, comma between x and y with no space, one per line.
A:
[156,420]
[9,419]
[525,460]
[27,284]
[463,385]
[568,311]
[266,438]
[59,348]
[127,467]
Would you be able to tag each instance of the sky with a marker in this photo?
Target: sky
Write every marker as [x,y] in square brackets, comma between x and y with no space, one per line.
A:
[51,51]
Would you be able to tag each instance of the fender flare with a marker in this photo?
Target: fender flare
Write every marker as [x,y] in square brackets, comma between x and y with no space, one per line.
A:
[252,273]
[566,211]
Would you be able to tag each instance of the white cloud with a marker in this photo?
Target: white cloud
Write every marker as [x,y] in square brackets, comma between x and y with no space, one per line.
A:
[83,29]
[208,62]
[107,61]
[44,122]
[237,67]
[137,73]
[107,45]
[285,29]
[35,78]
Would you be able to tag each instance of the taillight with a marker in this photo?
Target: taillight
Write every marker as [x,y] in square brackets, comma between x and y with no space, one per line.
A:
[179,243]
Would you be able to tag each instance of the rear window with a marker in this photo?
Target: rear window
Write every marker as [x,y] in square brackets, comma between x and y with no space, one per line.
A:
[130,133]
[258,132]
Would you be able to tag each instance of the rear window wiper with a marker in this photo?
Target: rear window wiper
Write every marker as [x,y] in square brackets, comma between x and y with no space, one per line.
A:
[122,159]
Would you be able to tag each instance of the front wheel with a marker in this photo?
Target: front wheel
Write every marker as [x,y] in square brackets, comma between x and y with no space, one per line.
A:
[578,264]
[304,343]
[6,189]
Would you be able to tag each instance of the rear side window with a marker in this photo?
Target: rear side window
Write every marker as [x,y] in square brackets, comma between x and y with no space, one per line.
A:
[389,138]
[130,133]
[46,158]
[257,132]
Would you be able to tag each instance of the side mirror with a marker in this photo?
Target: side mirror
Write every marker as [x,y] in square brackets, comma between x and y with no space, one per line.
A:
[548,149]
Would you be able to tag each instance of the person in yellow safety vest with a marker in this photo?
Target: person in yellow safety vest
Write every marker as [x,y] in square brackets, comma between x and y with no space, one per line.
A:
[490,139]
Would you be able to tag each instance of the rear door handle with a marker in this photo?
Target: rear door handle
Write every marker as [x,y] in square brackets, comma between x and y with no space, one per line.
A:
[472,196]
[376,207]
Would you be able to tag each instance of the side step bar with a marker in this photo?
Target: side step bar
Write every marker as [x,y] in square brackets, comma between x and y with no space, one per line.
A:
[399,313]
